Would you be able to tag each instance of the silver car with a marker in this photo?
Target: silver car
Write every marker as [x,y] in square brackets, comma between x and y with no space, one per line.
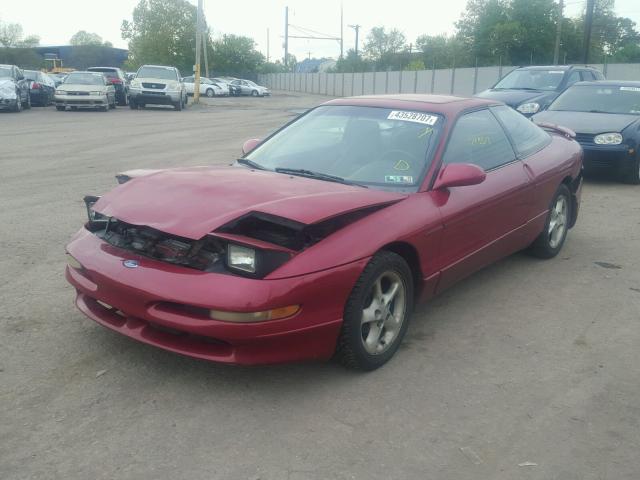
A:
[85,90]
[247,87]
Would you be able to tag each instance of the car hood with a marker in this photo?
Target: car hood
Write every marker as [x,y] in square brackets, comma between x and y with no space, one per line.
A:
[513,97]
[585,122]
[75,87]
[193,202]
[4,82]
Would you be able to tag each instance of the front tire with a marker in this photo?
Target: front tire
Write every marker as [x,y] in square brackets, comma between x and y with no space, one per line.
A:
[254,93]
[210,93]
[60,108]
[133,105]
[550,241]
[631,174]
[377,313]
[178,105]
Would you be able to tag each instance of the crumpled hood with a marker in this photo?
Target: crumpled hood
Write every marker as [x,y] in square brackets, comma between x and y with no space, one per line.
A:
[193,202]
[586,122]
[515,97]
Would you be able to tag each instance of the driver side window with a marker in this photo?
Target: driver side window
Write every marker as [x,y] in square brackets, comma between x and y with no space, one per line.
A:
[478,138]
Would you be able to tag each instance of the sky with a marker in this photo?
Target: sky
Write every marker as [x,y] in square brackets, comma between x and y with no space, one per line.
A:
[56,21]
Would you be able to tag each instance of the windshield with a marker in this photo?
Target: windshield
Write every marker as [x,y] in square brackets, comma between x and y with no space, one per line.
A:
[84,79]
[532,79]
[107,71]
[597,98]
[5,72]
[379,147]
[165,73]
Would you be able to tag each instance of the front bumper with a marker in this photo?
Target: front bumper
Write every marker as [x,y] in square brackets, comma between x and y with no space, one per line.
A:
[8,103]
[607,157]
[81,101]
[154,97]
[141,303]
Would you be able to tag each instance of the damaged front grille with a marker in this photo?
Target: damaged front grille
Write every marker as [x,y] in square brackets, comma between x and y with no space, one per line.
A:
[206,254]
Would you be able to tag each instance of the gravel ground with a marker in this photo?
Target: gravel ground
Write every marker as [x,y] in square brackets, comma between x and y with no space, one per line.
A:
[527,370]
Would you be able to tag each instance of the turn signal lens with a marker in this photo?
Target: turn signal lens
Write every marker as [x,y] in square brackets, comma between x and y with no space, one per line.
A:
[73,263]
[241,317]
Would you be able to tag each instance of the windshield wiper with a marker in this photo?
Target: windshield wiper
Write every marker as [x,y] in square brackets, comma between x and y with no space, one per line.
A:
[250,163]
[317,175]
[598,111]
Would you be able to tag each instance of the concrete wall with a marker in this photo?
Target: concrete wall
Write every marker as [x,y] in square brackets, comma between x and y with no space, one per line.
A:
[460,81]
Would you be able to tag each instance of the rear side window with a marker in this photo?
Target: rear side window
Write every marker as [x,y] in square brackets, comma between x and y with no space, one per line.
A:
[478,138]
[573,78]
[527,137]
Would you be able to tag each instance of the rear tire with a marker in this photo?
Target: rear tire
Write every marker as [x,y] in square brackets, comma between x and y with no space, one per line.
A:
[133,105]
[550,241]
[377,313]
[27,104]
[60,108]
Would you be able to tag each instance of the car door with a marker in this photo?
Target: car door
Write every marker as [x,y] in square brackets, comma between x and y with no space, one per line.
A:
[483,222]
[22,83]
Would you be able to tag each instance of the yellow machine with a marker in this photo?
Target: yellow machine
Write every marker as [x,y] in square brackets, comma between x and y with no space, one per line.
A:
[54,65]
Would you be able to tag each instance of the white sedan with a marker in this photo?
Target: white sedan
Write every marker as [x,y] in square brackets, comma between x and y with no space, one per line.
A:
[208,87]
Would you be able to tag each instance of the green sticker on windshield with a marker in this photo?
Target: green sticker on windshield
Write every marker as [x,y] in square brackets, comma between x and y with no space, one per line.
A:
[404,179]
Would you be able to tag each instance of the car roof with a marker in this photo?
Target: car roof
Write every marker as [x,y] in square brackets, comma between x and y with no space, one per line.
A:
[104,68]
[159,66]
[447,105]
[555,67]
[610,83]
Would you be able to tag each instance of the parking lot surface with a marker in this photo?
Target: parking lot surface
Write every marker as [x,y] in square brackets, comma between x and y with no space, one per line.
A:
[527,370]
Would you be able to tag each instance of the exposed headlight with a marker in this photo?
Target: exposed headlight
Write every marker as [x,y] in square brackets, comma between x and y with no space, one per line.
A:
[241,258]
[60,92]
[97,93]
[608,139]
[531,107]
[242,317]
[135,84]
[94,217]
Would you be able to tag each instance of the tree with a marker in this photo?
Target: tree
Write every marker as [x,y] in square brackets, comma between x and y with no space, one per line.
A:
[442,51]
[382,46]
[162,32]
[83,37]
[235,54]
[11,35]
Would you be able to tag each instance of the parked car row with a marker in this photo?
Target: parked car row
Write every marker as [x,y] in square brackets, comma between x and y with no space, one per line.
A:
[151,84]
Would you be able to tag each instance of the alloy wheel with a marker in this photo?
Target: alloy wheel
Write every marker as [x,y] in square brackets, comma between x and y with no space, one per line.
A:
[384,313]
[558,221]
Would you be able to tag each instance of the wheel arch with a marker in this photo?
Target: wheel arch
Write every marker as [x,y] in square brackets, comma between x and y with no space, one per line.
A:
[410,255]
[573,184]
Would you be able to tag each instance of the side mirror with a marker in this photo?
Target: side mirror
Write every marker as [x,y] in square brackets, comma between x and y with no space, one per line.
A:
[250,145]
[459,175]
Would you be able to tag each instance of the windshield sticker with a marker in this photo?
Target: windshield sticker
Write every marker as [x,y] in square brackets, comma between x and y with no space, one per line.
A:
[425,132]
[402,165]
[406,179]
[630,89]
[416,117]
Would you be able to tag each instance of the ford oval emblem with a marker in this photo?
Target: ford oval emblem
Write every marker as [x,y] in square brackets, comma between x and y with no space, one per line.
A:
[131,263]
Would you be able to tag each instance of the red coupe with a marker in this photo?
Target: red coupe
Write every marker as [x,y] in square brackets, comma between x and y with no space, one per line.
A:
[319,241]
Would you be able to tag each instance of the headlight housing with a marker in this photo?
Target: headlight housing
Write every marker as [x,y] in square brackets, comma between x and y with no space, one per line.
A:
[98,93]
[528,108]
[60,92]
[135,84]
[254,262]
[612,138]
[241,258]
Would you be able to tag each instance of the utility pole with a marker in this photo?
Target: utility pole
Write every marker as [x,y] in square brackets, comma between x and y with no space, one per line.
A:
[556,52]
[588,22]
[267,45]
[357,29]
[196,82]
[286,37]
[206,57]
[341,31]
